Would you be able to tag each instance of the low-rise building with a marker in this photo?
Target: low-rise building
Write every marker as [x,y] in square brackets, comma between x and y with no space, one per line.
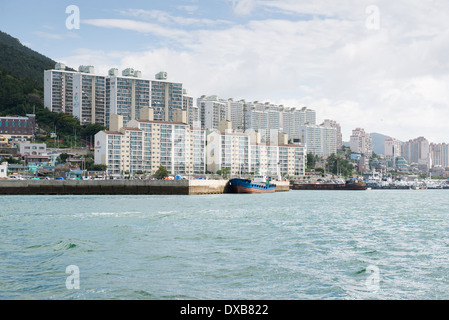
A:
[18,128]
[3,170]
[32,149]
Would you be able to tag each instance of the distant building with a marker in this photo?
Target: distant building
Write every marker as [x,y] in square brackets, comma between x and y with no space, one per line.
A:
[336,125]
[263,117]
[212,110]
[18,128]
[361,142]
[400,163]
[193,115]
[320,140]
[439,154]
[392,150]
[417,151]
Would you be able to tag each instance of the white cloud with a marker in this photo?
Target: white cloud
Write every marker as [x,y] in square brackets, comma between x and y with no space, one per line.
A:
[243,7]
[56,36]
[138,26]
[393,80]
[164,17]
[190,9]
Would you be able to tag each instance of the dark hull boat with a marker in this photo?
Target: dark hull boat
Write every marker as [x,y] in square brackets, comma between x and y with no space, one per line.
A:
[248,186]
[349,185]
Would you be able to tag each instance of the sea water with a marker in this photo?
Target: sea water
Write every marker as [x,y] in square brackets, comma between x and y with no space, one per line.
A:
[297,245]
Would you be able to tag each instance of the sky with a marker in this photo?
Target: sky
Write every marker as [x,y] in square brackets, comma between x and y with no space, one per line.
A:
[372,64]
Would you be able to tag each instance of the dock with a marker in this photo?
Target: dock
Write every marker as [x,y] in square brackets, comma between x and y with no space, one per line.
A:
[120,187]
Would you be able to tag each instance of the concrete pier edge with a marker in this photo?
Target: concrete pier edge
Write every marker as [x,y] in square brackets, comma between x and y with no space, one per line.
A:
[124,187]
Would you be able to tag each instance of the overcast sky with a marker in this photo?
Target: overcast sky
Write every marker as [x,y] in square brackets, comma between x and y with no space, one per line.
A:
[379,65]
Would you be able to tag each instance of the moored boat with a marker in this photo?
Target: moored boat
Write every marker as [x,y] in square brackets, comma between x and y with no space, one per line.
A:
[348,185]
[260,184]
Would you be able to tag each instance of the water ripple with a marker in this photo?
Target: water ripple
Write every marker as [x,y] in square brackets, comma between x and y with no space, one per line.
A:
[296,245]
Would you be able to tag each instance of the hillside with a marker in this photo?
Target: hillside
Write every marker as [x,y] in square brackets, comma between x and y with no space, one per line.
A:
[21,60]
[378,141]
[22,89]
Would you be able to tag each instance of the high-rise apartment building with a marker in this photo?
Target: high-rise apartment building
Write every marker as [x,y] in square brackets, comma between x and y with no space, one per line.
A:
[193,114]
[336,125]
[93,98]
[417,151]
[82,93]
[58,89]
[320,140]
[392,150]
[127,94]
[166,97]
[439,154]
[89,96]
[361,142]
[245,152]
[145,145]
[236,110]
[212,111]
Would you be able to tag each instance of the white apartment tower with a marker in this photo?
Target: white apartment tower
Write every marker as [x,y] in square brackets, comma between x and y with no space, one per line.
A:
[193,115]
[417,151]
[439,153]
[212,110]
[146,144]
[58,89]
[82,93]
[127,94]
[89,96]
[336,125]
[392,150]
[245,152]
[320,140]
[93,98]
[166,97]
[361,142]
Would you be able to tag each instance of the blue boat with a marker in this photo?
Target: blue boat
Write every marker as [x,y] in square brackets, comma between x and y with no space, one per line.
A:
[260,185]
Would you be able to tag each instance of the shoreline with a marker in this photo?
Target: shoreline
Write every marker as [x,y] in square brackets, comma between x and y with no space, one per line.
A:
[120,187]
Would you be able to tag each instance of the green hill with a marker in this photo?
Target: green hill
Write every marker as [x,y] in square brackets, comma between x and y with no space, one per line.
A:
[21,60]
[378,141]
[22,88]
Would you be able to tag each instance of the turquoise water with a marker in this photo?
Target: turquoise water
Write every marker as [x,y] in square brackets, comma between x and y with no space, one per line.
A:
[378,244]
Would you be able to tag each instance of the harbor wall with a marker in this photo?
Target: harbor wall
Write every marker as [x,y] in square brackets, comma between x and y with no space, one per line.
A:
[112,187]
[282,186]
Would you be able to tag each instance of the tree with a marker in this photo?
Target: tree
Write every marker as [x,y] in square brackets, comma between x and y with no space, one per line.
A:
[63,157]
[337,165]
[224,172]
[97,167]
[91,130]
[161,173]
[312,159]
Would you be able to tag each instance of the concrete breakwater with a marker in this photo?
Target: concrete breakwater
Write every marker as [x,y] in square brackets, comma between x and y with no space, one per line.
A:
[112,187]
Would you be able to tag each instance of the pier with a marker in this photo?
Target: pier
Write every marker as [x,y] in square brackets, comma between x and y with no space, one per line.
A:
[117,187]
